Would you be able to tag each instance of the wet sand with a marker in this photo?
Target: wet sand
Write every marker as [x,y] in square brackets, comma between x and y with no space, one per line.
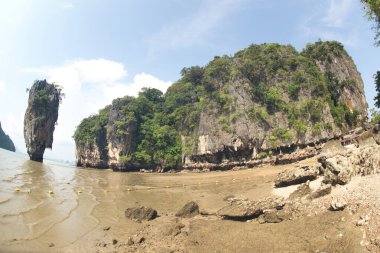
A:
[86,201]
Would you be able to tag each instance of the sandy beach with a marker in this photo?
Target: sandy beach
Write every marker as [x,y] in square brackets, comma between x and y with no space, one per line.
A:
[51,207]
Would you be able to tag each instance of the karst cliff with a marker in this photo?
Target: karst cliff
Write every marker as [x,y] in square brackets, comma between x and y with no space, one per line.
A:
[267,101]
[41,117]
[5,141]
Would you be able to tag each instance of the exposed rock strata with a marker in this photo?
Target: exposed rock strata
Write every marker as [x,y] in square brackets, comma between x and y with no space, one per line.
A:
[40,118]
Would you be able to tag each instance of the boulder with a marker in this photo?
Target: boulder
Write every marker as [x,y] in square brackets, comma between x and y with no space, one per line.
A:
[242,210]
[296,176]
[140,213]
[337,170]
[189,210]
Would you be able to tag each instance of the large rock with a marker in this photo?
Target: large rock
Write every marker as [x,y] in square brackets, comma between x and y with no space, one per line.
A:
[140,213]
[40,118]
[339,168]
[6,142]
[296,176]
[189,210]
[242,209]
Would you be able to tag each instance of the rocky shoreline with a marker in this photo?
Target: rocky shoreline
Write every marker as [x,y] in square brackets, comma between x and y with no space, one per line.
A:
[343,183]
[279,156]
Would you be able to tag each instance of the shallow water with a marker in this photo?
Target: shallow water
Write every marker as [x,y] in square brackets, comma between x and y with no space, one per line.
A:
[61,204]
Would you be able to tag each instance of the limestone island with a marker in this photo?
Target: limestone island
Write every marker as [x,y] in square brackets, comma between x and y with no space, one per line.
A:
[41,117]
[5,141]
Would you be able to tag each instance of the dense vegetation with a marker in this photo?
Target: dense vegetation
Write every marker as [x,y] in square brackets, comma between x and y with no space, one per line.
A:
[43,96]
[373,13]
[5,141]
[282,83]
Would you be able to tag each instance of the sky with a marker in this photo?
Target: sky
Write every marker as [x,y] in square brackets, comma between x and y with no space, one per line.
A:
[99,50]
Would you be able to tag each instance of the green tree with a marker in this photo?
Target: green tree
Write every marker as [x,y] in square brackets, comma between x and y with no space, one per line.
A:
[372,8]
[377,83]
[375,116]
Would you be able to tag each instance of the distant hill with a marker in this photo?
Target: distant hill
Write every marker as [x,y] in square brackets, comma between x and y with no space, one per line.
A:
[264,101]
[5,141]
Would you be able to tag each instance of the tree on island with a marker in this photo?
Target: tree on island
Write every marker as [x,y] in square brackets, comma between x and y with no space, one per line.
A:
[372,8]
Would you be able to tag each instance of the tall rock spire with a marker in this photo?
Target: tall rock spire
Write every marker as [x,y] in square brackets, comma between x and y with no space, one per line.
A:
[40,118]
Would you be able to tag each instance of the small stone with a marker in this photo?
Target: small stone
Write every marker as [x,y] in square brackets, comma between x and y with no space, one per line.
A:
[321,191]
[301,191]
[270,217]
[338,204]
[107,228]
[172,229]
[139,239]
[130,241]
[362,221]
[51,245]
[114,241]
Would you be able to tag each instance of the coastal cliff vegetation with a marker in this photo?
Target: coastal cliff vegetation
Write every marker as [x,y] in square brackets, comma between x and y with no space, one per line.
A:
[261,98]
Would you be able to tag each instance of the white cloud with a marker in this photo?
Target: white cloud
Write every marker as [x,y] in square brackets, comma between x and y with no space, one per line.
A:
[89,85]
[99,71]
[309,28]
[192,30]
[2,86]
[67,6]
[338,13]
[139,81]
[330,21]
[73,74]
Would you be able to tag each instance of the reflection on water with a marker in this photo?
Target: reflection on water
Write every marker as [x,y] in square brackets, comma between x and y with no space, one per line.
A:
[81,201]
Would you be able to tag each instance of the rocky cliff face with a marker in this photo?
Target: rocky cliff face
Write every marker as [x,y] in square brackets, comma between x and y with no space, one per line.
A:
[40,118]
[277,104]
[265,102]
[6,142]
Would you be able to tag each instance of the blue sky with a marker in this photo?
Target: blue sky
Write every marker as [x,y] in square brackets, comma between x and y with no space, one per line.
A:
[99,50]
